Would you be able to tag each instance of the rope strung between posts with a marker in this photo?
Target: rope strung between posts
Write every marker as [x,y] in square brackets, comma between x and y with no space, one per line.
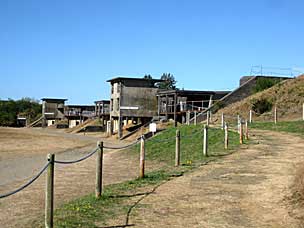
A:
[122,147]
[78,160]
[162,140]
[27,184]
[191,135]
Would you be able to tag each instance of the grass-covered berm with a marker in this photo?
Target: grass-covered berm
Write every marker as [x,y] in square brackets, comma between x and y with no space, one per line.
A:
[286,96]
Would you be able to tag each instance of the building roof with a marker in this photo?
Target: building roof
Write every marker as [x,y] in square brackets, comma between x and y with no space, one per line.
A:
[268,76]
[190,92]
[80,106]
[102,101]
[54,100]
[119,79]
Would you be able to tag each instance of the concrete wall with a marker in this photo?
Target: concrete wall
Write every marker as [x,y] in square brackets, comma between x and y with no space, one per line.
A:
[245,90]
[247,85]
[244,79]
[50,122]
[54,108]
[74,123]
[115,96]
[142,98]
[138,101]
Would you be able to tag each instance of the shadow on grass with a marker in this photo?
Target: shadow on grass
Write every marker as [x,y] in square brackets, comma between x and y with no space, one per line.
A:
[144,195]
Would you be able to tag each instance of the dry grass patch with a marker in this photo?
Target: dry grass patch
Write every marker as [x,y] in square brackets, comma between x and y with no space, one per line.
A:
[22,141]
[288,96]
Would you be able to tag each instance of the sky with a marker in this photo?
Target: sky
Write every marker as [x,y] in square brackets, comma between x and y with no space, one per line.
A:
[69,48]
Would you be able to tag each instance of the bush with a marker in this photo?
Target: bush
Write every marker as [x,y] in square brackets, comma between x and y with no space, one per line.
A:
[265,83]
[261,106]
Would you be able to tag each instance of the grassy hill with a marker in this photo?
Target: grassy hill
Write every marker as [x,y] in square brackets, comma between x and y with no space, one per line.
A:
[288,96]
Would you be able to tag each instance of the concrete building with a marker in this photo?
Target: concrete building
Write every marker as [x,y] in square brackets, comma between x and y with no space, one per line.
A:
[132,100]
[77,114]
[102,107]
[102,111]
[175,104]
[52,110]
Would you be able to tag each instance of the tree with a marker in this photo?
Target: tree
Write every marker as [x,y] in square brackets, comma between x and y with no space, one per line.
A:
[168,83]
[10,109]
[147,76]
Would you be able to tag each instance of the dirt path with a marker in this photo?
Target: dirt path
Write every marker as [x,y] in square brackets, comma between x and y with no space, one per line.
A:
[71,181]
[246,189]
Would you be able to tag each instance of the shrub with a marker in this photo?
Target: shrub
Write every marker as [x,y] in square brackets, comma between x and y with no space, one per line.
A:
[261,106]
[265,83]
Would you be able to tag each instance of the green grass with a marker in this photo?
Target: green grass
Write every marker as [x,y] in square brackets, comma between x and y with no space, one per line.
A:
[117,199]
[296,127]
[160,150]
[88,211]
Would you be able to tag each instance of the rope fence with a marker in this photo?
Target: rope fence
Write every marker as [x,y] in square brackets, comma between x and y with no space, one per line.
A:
[227,123]
[178,138]
[32,180]
[78,160]
[121,147]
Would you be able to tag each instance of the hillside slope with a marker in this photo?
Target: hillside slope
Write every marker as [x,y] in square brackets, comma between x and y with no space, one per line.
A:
[288,96]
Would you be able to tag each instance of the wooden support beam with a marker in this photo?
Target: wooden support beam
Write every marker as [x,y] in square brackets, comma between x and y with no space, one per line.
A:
[175,103]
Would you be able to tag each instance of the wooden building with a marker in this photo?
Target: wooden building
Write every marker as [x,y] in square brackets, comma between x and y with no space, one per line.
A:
[175,104]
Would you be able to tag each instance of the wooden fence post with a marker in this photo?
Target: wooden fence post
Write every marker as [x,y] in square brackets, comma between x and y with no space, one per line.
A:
[142,157]
[303,111]
[246,130]
[188,117]
[177,148]
[99,167]
[275,115]
[226,136]
[49,193]
[250,116]
[223,121]
[208,118]
[109,128]
[205,141]
[241,132]
[238,123]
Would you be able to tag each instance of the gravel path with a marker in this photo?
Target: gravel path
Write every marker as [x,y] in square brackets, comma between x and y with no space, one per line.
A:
[71,181]
[246,189]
